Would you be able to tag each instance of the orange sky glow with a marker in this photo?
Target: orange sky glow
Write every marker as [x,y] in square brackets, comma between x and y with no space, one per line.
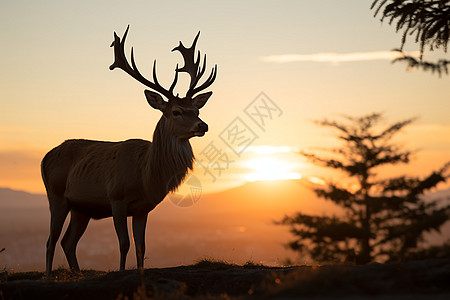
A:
[311,62]
[281,66]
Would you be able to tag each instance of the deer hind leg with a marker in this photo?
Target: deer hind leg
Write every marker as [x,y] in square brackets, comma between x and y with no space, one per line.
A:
[59,209]
[119,212]
[139,223]
[77,226]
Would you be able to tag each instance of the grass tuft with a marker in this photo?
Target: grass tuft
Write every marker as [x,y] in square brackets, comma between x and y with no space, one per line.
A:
[213,264]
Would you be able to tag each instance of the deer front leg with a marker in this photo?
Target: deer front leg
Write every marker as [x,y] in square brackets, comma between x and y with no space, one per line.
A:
[139,223]
[119,212]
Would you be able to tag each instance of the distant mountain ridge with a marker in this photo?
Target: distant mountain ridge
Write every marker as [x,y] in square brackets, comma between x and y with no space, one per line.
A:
[14,198]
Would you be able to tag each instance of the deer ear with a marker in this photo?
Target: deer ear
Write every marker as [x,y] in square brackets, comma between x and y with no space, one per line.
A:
[155,100]
[200,100]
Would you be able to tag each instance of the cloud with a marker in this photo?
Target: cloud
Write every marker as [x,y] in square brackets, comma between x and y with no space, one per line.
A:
[335,58]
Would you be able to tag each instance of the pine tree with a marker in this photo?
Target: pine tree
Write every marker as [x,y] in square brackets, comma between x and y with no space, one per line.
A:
[385,219]
[428,21]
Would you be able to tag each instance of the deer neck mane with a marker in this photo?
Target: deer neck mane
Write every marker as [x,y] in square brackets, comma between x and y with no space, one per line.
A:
[170,159]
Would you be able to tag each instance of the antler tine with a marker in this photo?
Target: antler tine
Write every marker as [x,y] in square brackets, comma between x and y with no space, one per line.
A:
[192,67]
[199,72]
[174,81]
[207,83]
[121,62]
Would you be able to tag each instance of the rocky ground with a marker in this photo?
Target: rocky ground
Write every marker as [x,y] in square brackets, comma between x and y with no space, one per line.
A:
[428,279]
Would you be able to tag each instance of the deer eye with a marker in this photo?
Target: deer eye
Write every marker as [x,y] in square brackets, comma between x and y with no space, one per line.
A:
[176,113]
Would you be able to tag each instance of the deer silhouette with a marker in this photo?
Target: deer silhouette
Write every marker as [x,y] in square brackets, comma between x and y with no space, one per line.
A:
[98,179]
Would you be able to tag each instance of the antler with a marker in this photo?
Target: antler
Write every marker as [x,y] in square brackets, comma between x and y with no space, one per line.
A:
[121,62]
[190,66]
[193,68]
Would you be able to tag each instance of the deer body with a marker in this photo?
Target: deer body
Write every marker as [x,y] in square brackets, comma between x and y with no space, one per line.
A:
[97,179]
[124,168]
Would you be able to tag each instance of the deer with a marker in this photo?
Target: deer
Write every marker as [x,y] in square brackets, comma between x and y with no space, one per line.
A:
[101,179]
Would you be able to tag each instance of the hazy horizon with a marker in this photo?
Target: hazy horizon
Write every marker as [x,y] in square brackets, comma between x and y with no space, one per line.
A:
[220,226]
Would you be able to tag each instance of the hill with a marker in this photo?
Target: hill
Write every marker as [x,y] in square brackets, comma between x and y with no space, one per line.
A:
[427,279]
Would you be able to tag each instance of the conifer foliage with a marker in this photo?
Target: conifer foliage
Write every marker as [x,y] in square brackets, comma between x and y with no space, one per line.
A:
[427,21]
[384,219]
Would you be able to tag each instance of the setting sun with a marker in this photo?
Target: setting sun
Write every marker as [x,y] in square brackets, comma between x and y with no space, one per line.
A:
[270,168]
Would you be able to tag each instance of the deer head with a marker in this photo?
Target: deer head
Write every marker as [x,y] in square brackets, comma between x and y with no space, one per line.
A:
[181,113]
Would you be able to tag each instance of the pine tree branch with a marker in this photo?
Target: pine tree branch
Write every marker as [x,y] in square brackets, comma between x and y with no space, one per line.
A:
[429,182]
[429,23]
[321,227]
[440,67]
[338,195]
[396,127]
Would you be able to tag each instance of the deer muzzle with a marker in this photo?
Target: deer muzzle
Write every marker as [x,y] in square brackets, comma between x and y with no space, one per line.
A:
[200,129]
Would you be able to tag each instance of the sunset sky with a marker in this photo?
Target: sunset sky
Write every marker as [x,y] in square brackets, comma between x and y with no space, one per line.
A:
[306,60]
